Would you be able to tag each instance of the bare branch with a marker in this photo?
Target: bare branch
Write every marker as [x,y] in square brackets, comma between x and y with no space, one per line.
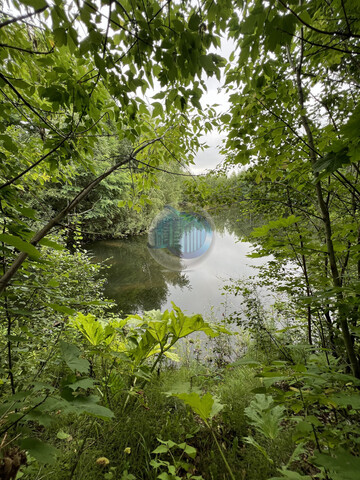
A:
[346,17]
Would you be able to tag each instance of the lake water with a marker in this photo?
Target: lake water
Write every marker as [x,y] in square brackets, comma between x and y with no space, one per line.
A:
[136,282]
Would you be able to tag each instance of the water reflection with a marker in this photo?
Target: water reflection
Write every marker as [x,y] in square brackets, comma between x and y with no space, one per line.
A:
[231,221]
[134,279]
[138,283]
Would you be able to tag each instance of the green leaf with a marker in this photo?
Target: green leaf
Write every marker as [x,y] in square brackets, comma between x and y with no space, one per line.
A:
[43,452]
[158,109]
[62,435]
[191,451]
[40,417]
[351,128]
[194,21]
[343,400]
[225,118]
[165,476]
[37,4]
[90,406]
[82,383]
[61,308]
[206,61]
[19,83]
[161,449]
[100,63]
[50,243]
[27,212]
[172,356]
[341,464]
[9,143]
[20,245]
[333,161]
[206,407]
[60,36]
[71,355]
[264,416]
[181,325]
[93,330]
[283,222]
[290,475]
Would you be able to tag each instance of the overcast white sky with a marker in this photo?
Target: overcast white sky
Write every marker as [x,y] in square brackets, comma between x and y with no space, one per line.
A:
[210,157]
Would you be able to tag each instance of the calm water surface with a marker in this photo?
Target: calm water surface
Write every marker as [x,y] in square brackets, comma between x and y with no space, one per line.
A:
[138,283]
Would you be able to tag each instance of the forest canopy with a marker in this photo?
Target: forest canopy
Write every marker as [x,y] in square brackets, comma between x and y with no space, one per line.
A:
[101,116]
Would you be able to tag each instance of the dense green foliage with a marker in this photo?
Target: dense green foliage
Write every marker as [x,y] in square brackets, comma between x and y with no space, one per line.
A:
[120,205]
[84,152]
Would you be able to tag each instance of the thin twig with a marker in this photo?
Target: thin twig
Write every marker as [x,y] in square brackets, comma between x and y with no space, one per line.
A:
[318,30]
[34,52]
[9,182]
[18,94]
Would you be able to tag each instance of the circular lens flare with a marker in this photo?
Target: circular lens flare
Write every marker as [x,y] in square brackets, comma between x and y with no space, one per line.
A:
[179,238]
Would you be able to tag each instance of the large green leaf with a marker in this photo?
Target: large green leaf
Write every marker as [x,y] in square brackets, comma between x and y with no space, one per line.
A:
[284,222]
[72,356]
[206,406]
[341,464]
[94,331]
[62,308]
[50,243]
[333,161]
[265,416]
[43,452]
[20,244]
[60,36]
[181,325]
[194,21]
[90,406]
[344,400]
[37,4]
[290,475]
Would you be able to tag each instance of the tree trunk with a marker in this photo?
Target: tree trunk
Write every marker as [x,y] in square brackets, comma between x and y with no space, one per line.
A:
[349,346]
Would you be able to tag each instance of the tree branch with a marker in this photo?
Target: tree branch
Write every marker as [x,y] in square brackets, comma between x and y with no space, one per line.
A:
[9,182]
[289,126]
[324,32]
[18,94]
[168,171]
[22,17]
[322,46]
[5,279]
[346,17]
[33,52]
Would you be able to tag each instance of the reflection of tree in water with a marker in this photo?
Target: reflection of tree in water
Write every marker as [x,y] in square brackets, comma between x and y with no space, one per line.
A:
[135,280]
[231,219]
